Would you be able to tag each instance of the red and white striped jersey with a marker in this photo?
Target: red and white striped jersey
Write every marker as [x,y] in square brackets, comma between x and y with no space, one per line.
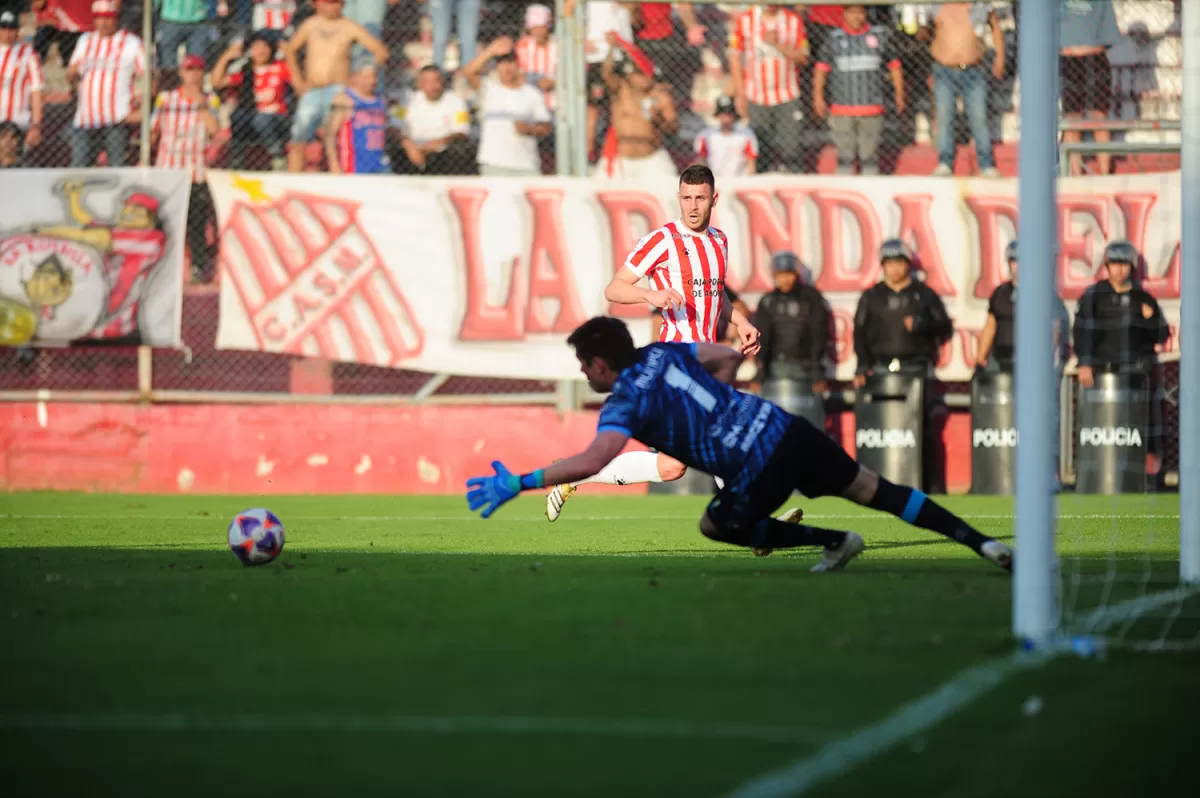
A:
[273,14]
[131,258]
[20,77]
[694,264]
[108,65]
[538,61]
[183,138]
[769,77]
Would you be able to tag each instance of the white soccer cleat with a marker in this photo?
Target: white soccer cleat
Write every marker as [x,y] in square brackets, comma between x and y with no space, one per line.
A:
[998,553]
[836,559]
[555,500]
[792,516]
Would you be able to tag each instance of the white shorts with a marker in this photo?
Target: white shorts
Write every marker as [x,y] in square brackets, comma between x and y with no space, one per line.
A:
[620,167]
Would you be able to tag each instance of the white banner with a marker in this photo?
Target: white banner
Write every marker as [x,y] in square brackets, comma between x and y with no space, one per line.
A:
[485,277]
[92,256]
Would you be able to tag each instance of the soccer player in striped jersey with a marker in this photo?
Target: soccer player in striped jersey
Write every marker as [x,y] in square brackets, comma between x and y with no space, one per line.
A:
[676,397]
[686,261]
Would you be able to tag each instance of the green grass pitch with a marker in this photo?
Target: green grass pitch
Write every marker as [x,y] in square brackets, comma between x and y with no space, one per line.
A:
[401,647]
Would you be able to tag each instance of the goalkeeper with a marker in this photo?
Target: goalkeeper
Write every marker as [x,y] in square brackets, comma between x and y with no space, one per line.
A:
[674,397]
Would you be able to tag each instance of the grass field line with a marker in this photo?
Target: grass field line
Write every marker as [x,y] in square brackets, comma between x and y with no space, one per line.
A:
[190,722]
[465,516]
[931,709]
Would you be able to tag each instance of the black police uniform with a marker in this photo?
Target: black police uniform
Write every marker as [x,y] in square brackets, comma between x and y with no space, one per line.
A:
[795,333]
[883,343]
[1002,306]
[1111,336]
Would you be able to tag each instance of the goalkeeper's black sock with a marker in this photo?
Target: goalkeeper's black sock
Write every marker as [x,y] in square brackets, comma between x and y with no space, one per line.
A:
[771,533]
[916,508]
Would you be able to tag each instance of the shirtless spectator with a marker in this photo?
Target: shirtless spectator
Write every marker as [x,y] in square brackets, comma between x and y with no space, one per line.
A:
[513,114]
[326,38]
[642,114]
[959,71]
[602,17]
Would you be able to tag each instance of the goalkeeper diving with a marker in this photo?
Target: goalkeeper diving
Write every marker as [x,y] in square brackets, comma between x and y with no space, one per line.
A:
[676,398]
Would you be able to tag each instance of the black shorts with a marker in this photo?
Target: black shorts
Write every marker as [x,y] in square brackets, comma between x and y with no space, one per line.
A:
[806,460]
[1086,82]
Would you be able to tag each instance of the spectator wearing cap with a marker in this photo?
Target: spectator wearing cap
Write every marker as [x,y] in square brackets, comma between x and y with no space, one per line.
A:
[513,113]
[21,81]
[642,114]
[465,17]
[959,71]
[12,142]
[851,65]
[537,52]
[767,45]
[1087,31]
[103,68]
[185,120]
[795,322]
[434,124]
[729,149]
[181,23]
[60,22]
[261,81]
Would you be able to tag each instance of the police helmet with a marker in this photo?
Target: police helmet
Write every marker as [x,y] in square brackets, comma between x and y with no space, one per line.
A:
[785,261]
[895,248]
[1122,252]
[1010,252]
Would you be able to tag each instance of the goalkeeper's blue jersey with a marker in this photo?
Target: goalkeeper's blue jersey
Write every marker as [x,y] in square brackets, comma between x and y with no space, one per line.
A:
[668,401]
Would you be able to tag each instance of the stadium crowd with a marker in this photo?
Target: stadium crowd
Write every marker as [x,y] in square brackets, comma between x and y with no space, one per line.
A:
[433,86]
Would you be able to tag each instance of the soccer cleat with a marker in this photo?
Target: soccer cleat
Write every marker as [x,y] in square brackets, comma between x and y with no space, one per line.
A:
[555,500]
[792,516]
[998,553]
[836,559]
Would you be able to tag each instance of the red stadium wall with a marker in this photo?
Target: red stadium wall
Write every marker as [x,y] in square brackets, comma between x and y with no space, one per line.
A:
[304,449]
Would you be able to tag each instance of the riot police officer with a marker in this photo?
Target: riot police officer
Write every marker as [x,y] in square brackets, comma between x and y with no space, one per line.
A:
[898,327]
[995,348]
[794,321]
[1117,323]
[1117,326]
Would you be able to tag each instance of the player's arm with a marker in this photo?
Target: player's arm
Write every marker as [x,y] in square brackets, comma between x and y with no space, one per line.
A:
[489,493]
[746,331]
[624,290]
[718,360]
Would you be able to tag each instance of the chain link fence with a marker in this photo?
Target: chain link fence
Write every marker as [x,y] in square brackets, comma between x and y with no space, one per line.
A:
[805,89]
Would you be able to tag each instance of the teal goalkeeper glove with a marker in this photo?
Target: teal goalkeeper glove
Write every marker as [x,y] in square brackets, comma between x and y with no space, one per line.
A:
[491,492]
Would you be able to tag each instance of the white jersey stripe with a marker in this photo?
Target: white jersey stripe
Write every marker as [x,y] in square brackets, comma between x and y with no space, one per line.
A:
[107,67]
[693,264]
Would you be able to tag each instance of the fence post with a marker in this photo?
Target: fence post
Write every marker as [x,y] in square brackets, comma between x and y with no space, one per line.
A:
[147,81]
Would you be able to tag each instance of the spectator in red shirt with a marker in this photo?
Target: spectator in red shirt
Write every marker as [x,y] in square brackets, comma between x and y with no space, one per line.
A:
[61,22]
[262,85]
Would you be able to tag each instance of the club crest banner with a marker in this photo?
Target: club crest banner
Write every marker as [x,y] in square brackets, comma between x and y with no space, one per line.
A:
[92,256]
[471,276]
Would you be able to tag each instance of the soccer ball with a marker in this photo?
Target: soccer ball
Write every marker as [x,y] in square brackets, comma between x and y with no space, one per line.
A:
[256,536]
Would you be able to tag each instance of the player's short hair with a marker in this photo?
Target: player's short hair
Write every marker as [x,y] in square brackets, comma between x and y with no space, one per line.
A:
[606,338]
[698,175]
